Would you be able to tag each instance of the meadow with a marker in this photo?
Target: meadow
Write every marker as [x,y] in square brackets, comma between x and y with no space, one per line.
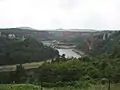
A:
[37,87]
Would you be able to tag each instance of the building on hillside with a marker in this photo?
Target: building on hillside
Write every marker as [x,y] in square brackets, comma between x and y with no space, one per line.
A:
[11,36]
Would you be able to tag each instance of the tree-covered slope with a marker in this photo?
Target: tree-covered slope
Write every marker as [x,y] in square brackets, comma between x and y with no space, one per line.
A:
[14,51]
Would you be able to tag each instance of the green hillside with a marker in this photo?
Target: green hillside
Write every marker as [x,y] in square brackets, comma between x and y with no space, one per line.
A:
[15,51]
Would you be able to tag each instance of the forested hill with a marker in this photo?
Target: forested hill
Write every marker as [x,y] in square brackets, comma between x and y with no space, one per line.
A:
[18,30]
[15,51]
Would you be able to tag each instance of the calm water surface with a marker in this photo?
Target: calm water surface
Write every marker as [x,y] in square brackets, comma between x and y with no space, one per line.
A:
[68,53]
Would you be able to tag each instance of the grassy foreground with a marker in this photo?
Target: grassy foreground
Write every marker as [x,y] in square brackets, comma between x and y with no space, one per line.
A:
[35,87]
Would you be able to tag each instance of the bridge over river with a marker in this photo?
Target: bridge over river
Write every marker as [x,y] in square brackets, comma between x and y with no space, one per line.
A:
[63,48]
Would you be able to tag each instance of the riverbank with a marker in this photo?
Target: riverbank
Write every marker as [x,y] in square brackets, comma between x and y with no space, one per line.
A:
[78,52]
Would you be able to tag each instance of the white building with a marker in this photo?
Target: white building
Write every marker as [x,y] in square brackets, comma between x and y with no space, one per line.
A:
[11,36]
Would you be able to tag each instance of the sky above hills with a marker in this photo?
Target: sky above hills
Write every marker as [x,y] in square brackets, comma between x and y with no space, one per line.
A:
[52,14]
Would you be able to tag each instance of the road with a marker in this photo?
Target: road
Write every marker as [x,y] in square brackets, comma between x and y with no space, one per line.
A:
[6,68]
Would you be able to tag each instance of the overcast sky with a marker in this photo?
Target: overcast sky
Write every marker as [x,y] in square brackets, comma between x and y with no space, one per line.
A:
[52,14]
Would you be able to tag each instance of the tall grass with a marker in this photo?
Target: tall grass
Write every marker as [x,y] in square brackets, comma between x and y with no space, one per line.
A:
[36,87]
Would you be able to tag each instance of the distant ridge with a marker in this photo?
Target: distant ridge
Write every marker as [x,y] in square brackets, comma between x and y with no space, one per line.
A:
[76,30]
[59,29]
[26,28]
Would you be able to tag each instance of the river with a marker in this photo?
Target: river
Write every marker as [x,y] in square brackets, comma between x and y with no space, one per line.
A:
[68,52]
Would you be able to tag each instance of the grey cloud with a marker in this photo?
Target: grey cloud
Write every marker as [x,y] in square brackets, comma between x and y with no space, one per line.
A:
[42,14]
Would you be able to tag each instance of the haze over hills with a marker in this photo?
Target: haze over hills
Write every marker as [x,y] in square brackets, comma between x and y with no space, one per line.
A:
[30,29]
[59,29]
[27,28]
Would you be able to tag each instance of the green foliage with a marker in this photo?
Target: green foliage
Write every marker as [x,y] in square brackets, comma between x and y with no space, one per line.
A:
[86,69]
[19,52]
[20,74]
[102,67]
[82,72]
[19,87]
